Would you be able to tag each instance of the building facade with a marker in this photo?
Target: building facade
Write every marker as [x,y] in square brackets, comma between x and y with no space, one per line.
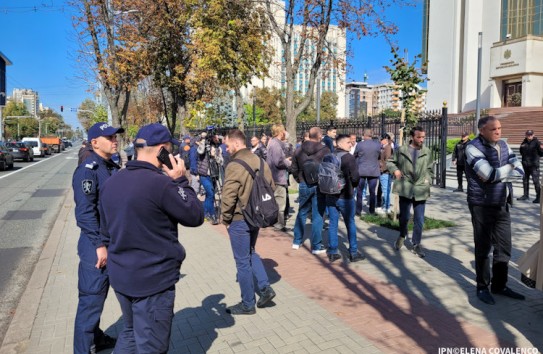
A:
[331,77]
[511,46]
[29,98]
[359,100]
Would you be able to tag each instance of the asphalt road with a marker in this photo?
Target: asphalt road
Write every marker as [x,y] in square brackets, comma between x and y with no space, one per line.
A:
[30,198]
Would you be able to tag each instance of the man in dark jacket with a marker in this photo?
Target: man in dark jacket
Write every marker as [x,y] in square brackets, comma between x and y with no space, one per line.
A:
[329,138]
[368,153]
[490,164]
[237,189]
[308,155]
[531,152]
[93,281]
[141,207]
[459,160]
[344,203]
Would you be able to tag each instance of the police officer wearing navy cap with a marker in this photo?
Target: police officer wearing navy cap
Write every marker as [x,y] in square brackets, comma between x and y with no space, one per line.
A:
[93,283]
[140,209]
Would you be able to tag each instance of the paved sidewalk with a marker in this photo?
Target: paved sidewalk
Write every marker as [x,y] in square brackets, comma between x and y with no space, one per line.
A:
[394,302]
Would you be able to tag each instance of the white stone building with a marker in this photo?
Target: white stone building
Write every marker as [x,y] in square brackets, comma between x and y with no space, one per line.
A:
[512,52]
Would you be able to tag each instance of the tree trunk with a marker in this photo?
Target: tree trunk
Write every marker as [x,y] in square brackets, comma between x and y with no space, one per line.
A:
[240,111]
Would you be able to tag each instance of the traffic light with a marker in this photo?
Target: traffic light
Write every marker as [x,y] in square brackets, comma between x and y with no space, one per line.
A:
[62,108]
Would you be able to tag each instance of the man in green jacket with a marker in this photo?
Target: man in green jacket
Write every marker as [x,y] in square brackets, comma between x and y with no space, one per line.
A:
[411,166]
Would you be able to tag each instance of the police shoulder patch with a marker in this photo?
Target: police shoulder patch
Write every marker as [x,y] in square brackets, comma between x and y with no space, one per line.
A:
[182,193]
[87,186]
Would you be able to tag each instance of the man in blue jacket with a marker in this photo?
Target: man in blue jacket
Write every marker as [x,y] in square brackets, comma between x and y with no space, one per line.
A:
[93,282]
[490,164]
[141,207]
[368,153]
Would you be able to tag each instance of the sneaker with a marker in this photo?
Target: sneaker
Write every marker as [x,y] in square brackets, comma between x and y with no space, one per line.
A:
[524,197]
[280,229]
[356,257]
[509,293]
[380,211]
[399,243]
[104,342]
[334,257]
[536,200]
[295,246]
[484,296]
[266,295]
[458,190]
[240,309]
[417,249]
[319,250]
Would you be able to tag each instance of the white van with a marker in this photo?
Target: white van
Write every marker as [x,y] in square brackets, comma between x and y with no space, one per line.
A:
[37,146]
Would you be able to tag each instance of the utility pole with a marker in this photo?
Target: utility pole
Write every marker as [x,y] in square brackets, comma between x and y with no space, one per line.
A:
[318,103]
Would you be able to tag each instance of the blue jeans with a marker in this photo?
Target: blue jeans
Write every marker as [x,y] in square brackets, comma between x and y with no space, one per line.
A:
[147,323]
[346,207]
[310,198]
[248,263]
[385,182]
[418,218]
[371,182]
[93,286]
[209,208]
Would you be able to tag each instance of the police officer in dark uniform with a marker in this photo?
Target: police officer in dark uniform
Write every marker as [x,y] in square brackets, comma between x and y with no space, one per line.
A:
[93,283]
[531,152]
[459,160]
[140,209]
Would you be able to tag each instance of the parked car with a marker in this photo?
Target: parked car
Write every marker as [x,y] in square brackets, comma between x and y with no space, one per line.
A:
[36,144]
[21,151]
[67,143]
[6,158]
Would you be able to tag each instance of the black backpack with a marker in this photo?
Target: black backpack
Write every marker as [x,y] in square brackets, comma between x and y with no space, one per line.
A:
[261,209]
[310,168]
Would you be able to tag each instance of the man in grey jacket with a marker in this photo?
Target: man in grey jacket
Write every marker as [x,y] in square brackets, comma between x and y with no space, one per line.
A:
[367,154]
[279,165]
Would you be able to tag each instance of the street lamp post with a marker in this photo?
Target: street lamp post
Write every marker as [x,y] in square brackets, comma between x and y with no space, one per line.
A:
[478,97]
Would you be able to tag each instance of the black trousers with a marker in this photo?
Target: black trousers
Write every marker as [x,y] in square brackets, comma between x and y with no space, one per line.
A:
[460,171]
[491,229]
[532,171]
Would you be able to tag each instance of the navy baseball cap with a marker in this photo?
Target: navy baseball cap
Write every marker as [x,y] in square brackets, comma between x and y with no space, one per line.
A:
[155,134]
[102,129]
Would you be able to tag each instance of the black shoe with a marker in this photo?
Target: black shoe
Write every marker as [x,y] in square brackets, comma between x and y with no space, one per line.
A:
[417,249]
[458,190]
[509,293]
[536,200]
[357,257]
[484,296]
[334,257]
[524,197]
[214,220]
[399,243]
[281,229]
[240,309]
[104,342]
[266,295]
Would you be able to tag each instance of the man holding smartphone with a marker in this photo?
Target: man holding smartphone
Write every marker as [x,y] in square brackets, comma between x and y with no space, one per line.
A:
[140,211]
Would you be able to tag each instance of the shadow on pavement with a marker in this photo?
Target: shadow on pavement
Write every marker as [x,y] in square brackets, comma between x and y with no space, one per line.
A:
[197,326]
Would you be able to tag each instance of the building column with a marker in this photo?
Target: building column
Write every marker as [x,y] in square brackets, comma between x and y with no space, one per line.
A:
[532,86]
[496,88]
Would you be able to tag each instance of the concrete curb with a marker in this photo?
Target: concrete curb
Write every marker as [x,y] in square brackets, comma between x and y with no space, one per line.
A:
[20,328]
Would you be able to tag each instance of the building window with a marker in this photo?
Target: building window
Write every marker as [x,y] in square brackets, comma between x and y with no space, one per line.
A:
[521,18]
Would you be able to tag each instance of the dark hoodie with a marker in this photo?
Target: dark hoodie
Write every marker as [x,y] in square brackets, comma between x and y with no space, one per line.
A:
[309,149]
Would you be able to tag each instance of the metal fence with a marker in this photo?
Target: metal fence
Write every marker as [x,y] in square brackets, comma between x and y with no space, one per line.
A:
[437,125]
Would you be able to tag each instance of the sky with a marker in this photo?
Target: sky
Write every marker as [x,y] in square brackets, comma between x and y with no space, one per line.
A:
[37,36]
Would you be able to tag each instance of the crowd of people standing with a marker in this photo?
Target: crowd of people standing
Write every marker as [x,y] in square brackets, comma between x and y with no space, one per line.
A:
[128,217]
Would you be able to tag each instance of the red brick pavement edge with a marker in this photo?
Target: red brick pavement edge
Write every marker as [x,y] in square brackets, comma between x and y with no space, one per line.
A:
[393,321]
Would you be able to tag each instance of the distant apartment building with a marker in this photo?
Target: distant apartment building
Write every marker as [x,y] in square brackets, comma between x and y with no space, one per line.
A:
[359,98]
[386,96]
[29,98]
[331,78]
[511,46]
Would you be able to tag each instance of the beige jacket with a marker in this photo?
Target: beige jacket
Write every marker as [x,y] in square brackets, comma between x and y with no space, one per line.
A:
[238,184]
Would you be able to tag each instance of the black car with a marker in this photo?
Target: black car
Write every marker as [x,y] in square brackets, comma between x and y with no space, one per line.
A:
[6,158]
[21,151]
[67,143]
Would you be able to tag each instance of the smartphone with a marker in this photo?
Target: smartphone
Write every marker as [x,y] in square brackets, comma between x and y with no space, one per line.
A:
[164,157]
